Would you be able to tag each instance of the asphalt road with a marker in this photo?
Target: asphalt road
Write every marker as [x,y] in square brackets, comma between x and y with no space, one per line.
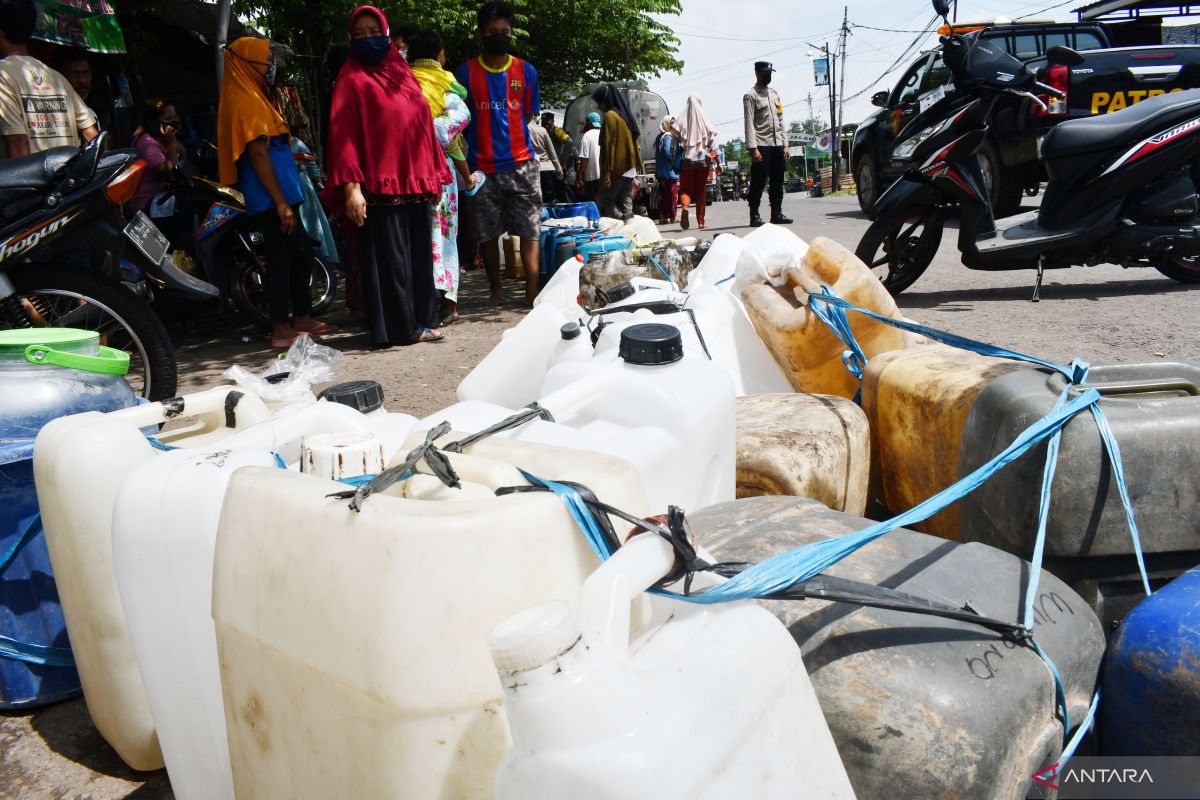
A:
[1103,314]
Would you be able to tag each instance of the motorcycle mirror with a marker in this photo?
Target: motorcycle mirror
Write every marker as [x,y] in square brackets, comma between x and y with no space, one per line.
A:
[942,7]
[1063,56]
[879,99]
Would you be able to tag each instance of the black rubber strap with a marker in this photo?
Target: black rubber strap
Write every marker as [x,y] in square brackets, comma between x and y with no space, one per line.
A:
[438,465]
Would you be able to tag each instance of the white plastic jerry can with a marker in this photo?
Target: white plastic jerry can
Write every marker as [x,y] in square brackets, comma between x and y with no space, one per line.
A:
[706,702]
[164,531]
[670,415]
[80,463]
[353,646]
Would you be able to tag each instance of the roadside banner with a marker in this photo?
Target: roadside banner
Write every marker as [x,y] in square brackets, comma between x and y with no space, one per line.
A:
[821,71]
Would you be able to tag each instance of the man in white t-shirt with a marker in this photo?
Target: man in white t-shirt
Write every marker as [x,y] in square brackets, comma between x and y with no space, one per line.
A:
[587,168]
[38,108]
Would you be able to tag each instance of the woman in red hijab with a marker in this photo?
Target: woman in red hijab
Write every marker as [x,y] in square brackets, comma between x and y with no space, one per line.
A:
[385,169]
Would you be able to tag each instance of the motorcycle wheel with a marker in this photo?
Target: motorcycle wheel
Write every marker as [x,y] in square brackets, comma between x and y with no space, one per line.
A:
[61,297]
[249,290]
[899,248]
[1185,269]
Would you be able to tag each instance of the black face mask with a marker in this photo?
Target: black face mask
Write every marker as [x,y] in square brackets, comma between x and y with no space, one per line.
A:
[765,78]
[371,49]
[497,44]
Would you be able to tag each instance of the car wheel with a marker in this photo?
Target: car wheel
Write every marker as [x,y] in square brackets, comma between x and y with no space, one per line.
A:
[866,179]
[1003,186]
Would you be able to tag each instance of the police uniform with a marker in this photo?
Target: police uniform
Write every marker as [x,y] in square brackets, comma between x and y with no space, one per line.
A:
[765,132]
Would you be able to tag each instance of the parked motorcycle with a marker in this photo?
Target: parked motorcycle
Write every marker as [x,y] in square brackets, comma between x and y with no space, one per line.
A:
[1123,186]
[68,258]
[229,249]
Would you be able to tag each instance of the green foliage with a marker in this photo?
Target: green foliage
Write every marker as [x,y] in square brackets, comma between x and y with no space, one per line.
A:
[571,42]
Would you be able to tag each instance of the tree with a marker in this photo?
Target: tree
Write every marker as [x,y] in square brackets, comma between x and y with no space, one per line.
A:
[571,44]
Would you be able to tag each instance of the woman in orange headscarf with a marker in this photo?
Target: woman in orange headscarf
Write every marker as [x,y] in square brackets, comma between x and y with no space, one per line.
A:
[254,153]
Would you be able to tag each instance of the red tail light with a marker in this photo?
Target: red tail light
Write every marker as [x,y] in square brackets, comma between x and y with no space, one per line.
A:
[1059,77]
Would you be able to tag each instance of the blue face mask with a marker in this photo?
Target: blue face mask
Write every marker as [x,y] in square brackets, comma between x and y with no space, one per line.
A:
[370,49]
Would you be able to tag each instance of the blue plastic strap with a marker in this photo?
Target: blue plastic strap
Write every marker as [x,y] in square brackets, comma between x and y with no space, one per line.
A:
[279,462]
[805,562]
[1114,458]
[827,296]
[1060,693]
[32,529]
[1076,373]
[578,511]
[835,317]
[783,570]
[1085,725]
[363,480]
[658,267]
[36,653]
[158,445]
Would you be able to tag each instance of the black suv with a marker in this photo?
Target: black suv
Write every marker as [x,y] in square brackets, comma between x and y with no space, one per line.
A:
[1009,155]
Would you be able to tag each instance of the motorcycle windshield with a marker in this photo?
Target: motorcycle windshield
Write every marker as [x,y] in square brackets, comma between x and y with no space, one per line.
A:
[988,63]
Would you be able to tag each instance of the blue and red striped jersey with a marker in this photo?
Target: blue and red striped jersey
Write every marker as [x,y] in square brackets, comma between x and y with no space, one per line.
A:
[501,101]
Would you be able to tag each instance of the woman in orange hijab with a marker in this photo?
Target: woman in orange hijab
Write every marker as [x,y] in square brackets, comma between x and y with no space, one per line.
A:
[254,153]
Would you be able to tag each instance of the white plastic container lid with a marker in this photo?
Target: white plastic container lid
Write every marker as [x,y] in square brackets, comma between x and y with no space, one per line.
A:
[341,455]
[533,637]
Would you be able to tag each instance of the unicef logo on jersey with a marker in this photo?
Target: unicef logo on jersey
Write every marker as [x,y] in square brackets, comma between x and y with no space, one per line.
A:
[503,105]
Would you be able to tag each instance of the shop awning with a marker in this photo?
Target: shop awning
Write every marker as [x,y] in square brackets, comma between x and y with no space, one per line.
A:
[88,24]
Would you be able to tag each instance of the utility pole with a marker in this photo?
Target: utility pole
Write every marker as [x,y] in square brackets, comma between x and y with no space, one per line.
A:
[842,92]
[808,98]
[223,13]
[833,133]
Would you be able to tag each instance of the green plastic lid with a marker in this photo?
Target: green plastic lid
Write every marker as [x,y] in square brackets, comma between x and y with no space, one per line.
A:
[72,348]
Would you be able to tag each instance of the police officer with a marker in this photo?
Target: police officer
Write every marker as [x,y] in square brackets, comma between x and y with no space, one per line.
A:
[766,139]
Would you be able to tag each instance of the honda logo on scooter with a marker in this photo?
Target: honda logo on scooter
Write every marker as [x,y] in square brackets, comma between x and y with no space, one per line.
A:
[17,245]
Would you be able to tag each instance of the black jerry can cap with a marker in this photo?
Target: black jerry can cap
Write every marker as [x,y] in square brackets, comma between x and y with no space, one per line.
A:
[364,396]
[619,292]
[651,344]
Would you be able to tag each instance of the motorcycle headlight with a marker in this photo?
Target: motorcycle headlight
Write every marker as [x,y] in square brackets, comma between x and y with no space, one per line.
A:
[906,148]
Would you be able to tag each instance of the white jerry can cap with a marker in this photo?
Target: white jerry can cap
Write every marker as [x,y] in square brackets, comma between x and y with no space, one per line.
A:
[533,637]
[341,455]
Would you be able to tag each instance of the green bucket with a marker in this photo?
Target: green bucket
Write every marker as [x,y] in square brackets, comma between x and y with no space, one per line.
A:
[62,347]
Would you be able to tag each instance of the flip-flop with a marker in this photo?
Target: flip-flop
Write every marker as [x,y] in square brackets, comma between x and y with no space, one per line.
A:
[430,335]
[449,319]
[480,179]
[321,329]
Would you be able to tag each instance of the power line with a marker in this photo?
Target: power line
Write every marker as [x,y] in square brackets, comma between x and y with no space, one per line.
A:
[1047,8]
[900,59]
[891,30]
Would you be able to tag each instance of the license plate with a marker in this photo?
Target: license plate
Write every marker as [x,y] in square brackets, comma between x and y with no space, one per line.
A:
[147,238]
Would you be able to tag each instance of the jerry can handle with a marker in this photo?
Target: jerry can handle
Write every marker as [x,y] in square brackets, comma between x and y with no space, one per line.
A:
[609,592]
[109,361]
[231,405]
[1181,387]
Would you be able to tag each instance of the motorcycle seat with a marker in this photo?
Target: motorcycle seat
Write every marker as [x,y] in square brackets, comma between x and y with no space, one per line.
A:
[1107,131]
[32,174]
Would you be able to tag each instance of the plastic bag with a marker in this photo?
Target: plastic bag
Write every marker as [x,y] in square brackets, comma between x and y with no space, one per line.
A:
[768,253]
[306,363]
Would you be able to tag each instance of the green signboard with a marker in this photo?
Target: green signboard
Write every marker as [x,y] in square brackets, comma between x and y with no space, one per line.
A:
[89,24]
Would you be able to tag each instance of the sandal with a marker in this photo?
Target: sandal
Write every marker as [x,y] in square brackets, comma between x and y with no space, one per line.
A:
[321,329]
[286,342]
[450,319]
[430,335]
[480,179]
